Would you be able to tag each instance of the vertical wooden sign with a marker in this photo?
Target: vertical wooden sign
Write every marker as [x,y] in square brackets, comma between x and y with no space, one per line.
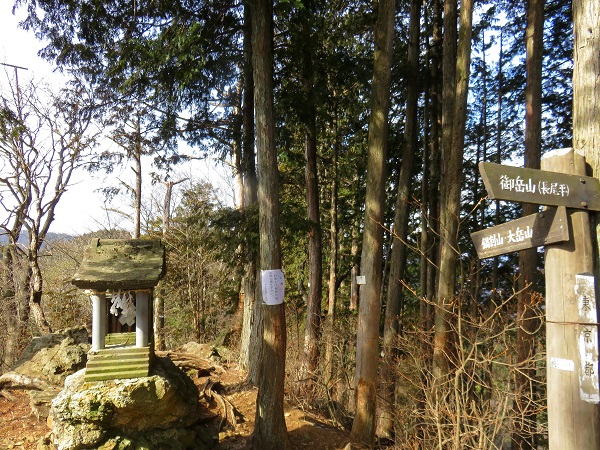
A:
[587,339]
[573,423]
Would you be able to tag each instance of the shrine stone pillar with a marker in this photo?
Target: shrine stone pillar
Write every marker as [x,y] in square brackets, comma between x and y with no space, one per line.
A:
[98,320]
[142,316]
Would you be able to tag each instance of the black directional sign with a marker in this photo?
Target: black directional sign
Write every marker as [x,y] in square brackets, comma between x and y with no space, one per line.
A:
[543,228]
[540,187]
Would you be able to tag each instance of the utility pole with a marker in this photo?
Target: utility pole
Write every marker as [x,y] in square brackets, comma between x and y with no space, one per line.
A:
[19,105]
[17,68]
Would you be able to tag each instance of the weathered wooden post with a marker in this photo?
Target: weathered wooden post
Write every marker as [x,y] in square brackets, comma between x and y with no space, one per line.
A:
[573,423]
[573,391]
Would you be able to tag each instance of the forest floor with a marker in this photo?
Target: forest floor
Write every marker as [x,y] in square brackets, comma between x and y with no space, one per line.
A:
[20,429]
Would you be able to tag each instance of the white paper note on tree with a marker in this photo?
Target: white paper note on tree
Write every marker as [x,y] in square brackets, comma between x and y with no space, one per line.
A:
[273,286]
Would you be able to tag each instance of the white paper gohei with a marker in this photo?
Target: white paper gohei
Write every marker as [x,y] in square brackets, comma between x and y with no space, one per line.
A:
[273,286]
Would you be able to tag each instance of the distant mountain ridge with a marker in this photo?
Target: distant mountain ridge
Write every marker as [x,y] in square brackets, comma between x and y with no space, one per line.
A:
[49,237]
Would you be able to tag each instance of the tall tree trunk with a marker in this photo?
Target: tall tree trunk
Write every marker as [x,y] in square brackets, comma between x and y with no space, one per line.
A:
[237,147]
[159,293]
[446,278]
[367,343]
[270,430]
[586,91]
[586,83]
[137,170]
[355,268]
[398,253]
[495,261]
[14,286]
[15,304]
[429,187]
[252,322]
[35,294]
[333,256]
[35,280]
[525,413]
[315,264]
[434,166]
[454,122]
[481,157]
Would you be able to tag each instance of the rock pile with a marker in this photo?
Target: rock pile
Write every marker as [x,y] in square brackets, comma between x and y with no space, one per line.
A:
[54,356]
[155,412]
[44,365]
[160,411]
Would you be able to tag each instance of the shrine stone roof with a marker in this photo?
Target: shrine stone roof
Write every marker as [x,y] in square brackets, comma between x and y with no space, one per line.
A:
[121,264]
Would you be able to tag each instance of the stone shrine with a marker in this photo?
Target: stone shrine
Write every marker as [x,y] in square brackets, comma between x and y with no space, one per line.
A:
[120,275]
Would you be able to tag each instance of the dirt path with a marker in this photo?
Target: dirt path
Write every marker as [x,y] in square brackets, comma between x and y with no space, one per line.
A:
[19,429]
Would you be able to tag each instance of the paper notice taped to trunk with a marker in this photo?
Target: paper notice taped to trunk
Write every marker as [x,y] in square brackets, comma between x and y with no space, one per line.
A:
[273,286]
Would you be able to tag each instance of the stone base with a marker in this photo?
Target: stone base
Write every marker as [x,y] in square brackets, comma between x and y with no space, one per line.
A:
[160,411]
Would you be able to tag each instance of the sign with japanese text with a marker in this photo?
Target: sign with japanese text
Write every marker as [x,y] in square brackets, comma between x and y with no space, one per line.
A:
[546,227]
[540,187]
[587,338]
[273,286]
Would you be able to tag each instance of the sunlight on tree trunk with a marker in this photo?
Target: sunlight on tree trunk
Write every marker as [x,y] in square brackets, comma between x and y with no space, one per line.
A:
[453,128]
[367,340]
[270,431]
[523,438]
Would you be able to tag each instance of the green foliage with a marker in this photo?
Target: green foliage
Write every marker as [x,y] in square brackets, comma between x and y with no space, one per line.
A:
[202,282]
[65,305]
[177,67]
[177,59]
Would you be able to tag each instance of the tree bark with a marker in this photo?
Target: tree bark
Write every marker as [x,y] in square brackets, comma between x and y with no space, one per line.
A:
[355,269]
[446,278]
[270,428]
[252,322]
[15,304]
[35,296]
[433,230]
[315,264]
[137,170]
[333,256]
[586,83]
[367,343]
[525,414]
[499,125]
[572,422]
[453,129]
[394,301]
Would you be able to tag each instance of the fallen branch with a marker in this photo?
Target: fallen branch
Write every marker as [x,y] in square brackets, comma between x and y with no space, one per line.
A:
[14,380]
[7,395]
[189,361]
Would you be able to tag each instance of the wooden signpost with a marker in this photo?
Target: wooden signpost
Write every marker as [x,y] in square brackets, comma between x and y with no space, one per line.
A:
[573,390]
[540,186]
[543,228]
